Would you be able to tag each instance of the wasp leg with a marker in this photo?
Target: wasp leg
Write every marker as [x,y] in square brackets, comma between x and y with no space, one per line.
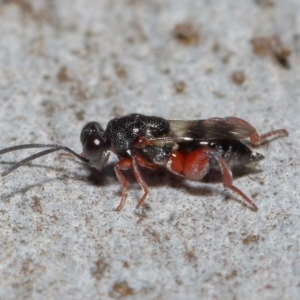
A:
[227,180]
[257,139]
[193,166]
[196,164]
[140,161]
[124,164]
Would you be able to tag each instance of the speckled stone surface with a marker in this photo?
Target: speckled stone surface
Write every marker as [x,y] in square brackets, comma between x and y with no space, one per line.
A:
[65,63]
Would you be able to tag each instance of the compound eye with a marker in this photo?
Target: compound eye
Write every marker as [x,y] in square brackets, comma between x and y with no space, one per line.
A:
[89,129]
[94,146]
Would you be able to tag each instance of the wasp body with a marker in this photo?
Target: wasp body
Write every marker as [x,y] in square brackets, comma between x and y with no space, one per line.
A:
[188,148]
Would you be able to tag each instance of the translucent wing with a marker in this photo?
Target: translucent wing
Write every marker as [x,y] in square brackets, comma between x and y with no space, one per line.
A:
[204,130]
[212,129]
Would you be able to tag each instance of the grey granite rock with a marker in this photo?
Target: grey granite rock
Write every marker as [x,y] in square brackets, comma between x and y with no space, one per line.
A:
[64,63]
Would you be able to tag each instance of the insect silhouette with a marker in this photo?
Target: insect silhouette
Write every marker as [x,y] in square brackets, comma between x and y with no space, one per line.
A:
[188,148]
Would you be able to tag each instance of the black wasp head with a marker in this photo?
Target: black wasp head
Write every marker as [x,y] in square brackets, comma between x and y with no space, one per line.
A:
[95,147]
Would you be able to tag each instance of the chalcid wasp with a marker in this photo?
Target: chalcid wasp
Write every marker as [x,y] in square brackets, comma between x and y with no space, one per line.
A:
[188,148]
